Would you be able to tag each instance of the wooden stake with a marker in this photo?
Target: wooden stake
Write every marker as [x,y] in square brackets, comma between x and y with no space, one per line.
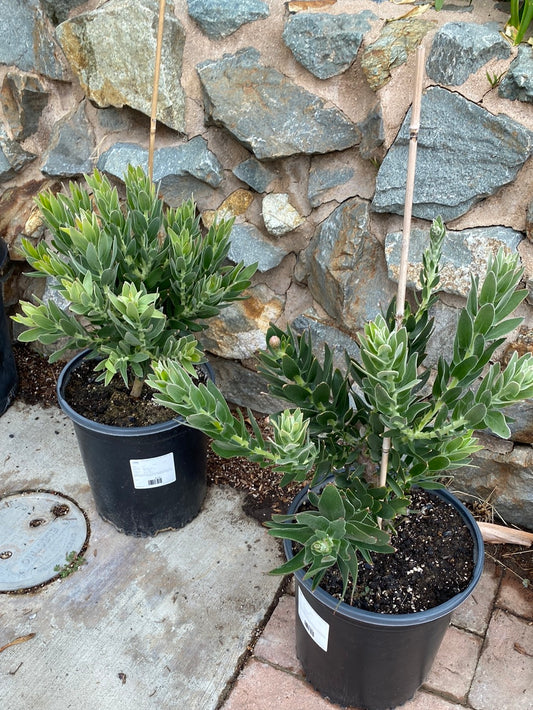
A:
[498,534]
[410,186]
[407,214]
[155,88]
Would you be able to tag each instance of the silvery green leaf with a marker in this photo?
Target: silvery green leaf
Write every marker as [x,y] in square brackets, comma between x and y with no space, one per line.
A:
[496,422]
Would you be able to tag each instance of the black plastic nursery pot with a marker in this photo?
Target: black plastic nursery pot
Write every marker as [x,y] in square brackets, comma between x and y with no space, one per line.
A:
[144,480]
[366,659]
[8,370]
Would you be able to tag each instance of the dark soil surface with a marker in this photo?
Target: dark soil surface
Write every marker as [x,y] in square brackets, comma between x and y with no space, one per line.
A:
[433,562]
[378,588]
[111,404]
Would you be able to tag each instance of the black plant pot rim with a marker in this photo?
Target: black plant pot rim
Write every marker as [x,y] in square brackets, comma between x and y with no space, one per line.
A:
[398,620]
[110,429]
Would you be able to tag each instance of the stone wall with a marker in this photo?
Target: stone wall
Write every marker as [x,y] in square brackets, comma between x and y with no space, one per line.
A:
[293,117]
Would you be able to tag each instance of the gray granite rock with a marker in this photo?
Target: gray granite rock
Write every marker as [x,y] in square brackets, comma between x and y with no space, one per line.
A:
[456,166]
[503,477]
[347,270]
[321,333]
[278,118]
[441,341]
[115,119]
[322,180]
[71,148]
[254,174]
[517,84]
[26,41]
[23,99]
[522,426]
[13,158]
[250,246]
[190,160]
[464,253]
[220,18]
[109,50]
[6,171]
[326,45]
[372,133]
[244,387]
[459,49]
[115,160]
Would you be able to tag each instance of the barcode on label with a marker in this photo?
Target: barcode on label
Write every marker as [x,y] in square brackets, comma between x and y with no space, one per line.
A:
[153,472]
[309,629]
[155,481]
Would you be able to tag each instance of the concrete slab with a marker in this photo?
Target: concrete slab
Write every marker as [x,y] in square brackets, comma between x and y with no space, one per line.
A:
[147,622]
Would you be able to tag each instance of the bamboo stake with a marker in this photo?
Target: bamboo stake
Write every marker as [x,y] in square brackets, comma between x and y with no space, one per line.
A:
[407,215]
[410,186]
[155,88]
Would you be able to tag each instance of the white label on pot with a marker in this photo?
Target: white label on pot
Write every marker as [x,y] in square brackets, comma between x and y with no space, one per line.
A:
[151,473]
[316,627]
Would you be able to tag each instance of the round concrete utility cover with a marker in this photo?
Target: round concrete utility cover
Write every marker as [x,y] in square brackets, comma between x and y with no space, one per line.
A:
[38,529]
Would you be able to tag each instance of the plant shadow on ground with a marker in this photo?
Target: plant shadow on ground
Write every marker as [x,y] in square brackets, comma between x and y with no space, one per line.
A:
[37,385]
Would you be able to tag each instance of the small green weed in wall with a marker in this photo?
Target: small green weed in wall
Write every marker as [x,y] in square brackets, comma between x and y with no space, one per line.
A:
[494,79]
[73,562]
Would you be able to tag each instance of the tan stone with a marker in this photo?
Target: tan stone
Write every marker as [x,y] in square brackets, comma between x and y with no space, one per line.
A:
[279,215]
[239,331]
[397,40]
[234,205]
[309,5]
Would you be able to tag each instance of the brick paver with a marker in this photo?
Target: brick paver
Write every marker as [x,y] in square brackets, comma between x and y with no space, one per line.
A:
[262,687]
[455,664]
[427,701]
[504,676]
[277,644]
[514,597]
[474,613]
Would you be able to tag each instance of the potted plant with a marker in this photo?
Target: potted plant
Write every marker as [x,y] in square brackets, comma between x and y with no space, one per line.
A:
[139,280]
[365,636]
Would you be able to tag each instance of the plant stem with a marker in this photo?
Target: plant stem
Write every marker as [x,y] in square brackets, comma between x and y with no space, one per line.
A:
[136,388]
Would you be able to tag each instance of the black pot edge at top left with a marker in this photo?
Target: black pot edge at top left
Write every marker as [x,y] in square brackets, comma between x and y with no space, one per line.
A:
[8,370]
[109,429]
